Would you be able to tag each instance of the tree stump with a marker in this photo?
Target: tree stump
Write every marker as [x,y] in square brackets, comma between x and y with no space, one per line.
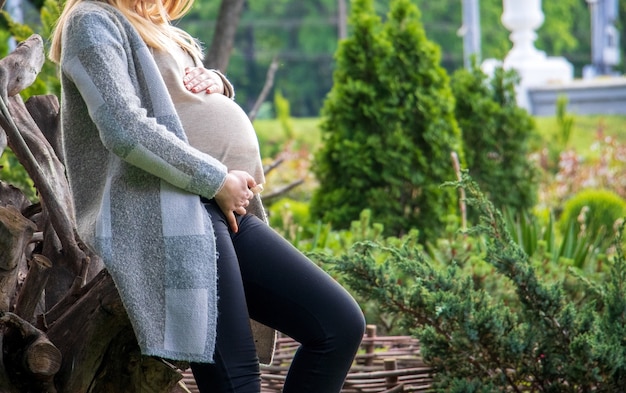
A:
[62,324]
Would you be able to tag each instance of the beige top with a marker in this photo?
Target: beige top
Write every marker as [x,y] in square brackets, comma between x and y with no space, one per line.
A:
[214,123]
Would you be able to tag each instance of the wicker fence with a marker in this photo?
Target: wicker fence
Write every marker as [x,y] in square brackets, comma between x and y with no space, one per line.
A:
[384,364]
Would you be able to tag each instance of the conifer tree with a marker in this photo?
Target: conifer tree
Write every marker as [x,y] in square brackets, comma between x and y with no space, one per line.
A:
[388,126]
[496,136]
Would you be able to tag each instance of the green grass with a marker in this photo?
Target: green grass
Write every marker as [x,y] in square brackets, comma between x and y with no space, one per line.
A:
[272,135]
[585,130]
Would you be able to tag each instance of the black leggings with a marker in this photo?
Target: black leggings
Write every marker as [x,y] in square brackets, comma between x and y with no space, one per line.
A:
[262,276]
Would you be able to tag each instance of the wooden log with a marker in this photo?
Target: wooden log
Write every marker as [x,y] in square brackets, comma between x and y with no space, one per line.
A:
[88,325]
[390,365]
[84,333]
[93,335]
[36,359]
[370,332]
[15,233]
[31,292]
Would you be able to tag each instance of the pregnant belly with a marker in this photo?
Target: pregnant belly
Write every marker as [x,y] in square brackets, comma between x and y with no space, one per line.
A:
[218,126]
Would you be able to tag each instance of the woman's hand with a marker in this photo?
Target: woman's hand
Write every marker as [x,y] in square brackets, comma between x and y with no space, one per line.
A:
[199,79]
[235,195]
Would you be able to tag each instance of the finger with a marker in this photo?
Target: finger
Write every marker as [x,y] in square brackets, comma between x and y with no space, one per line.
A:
[232,221]
[212,87]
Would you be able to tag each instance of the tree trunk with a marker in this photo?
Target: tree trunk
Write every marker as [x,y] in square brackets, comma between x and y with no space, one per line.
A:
[62,324]
[224,36]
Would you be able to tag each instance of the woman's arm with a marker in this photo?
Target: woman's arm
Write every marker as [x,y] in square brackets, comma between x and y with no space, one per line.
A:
[95,59]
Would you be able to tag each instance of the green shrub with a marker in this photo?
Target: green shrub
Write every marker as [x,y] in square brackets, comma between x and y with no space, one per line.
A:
[496,135]
[388,127]
[592,211]
[479,341]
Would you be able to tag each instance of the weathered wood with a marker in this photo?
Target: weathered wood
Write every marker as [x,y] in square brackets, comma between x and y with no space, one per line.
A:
[15,233]
[17,71]
[45,112]
[391,379]
[84,333]
[38,158]
[84,320]
[20,68]
[31,292]
[11,195]
[33,354]
[5,384]
[136,374]
[42,358]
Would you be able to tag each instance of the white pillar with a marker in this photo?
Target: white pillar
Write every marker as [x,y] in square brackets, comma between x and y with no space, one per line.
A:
[522,18]
[470,31]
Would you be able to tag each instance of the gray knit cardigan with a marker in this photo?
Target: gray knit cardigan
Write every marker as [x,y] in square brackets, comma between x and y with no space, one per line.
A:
[137,184]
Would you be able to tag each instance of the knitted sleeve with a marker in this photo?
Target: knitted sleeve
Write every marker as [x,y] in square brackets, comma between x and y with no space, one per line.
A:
[128,102]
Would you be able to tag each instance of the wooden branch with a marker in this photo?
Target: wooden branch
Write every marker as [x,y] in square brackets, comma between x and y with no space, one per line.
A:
[31,293]
[88,325]
[273,165]
[15,233]
[3,142]
[45,112]
[20,68]
[38,158]
[33,150]
[11,195]
[267,86]
[283,190]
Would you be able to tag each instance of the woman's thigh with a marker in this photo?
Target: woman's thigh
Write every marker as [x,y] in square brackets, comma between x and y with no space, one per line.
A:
[287,291]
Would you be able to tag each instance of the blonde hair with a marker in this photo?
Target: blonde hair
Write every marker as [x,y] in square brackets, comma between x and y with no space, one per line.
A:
[151,18]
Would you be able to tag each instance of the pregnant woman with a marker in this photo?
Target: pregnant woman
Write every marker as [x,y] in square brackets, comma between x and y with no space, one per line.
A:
[161,172]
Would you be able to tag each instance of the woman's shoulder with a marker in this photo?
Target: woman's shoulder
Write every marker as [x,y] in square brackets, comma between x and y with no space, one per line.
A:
[94,12]
[92,6]
[90,20]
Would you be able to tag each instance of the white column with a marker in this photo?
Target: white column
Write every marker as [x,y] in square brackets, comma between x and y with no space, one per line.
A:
[522,18]
[470,31]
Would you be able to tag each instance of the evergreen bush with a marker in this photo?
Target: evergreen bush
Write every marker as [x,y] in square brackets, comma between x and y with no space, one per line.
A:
[479,341]
[388,127]
[496,136]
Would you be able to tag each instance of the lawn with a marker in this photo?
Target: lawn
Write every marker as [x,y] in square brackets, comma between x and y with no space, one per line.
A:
[585,130]
[307,134]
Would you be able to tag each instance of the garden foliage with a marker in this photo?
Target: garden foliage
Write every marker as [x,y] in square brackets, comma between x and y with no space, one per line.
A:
[538,340]
[594,211]
[496,134]
[388,127]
